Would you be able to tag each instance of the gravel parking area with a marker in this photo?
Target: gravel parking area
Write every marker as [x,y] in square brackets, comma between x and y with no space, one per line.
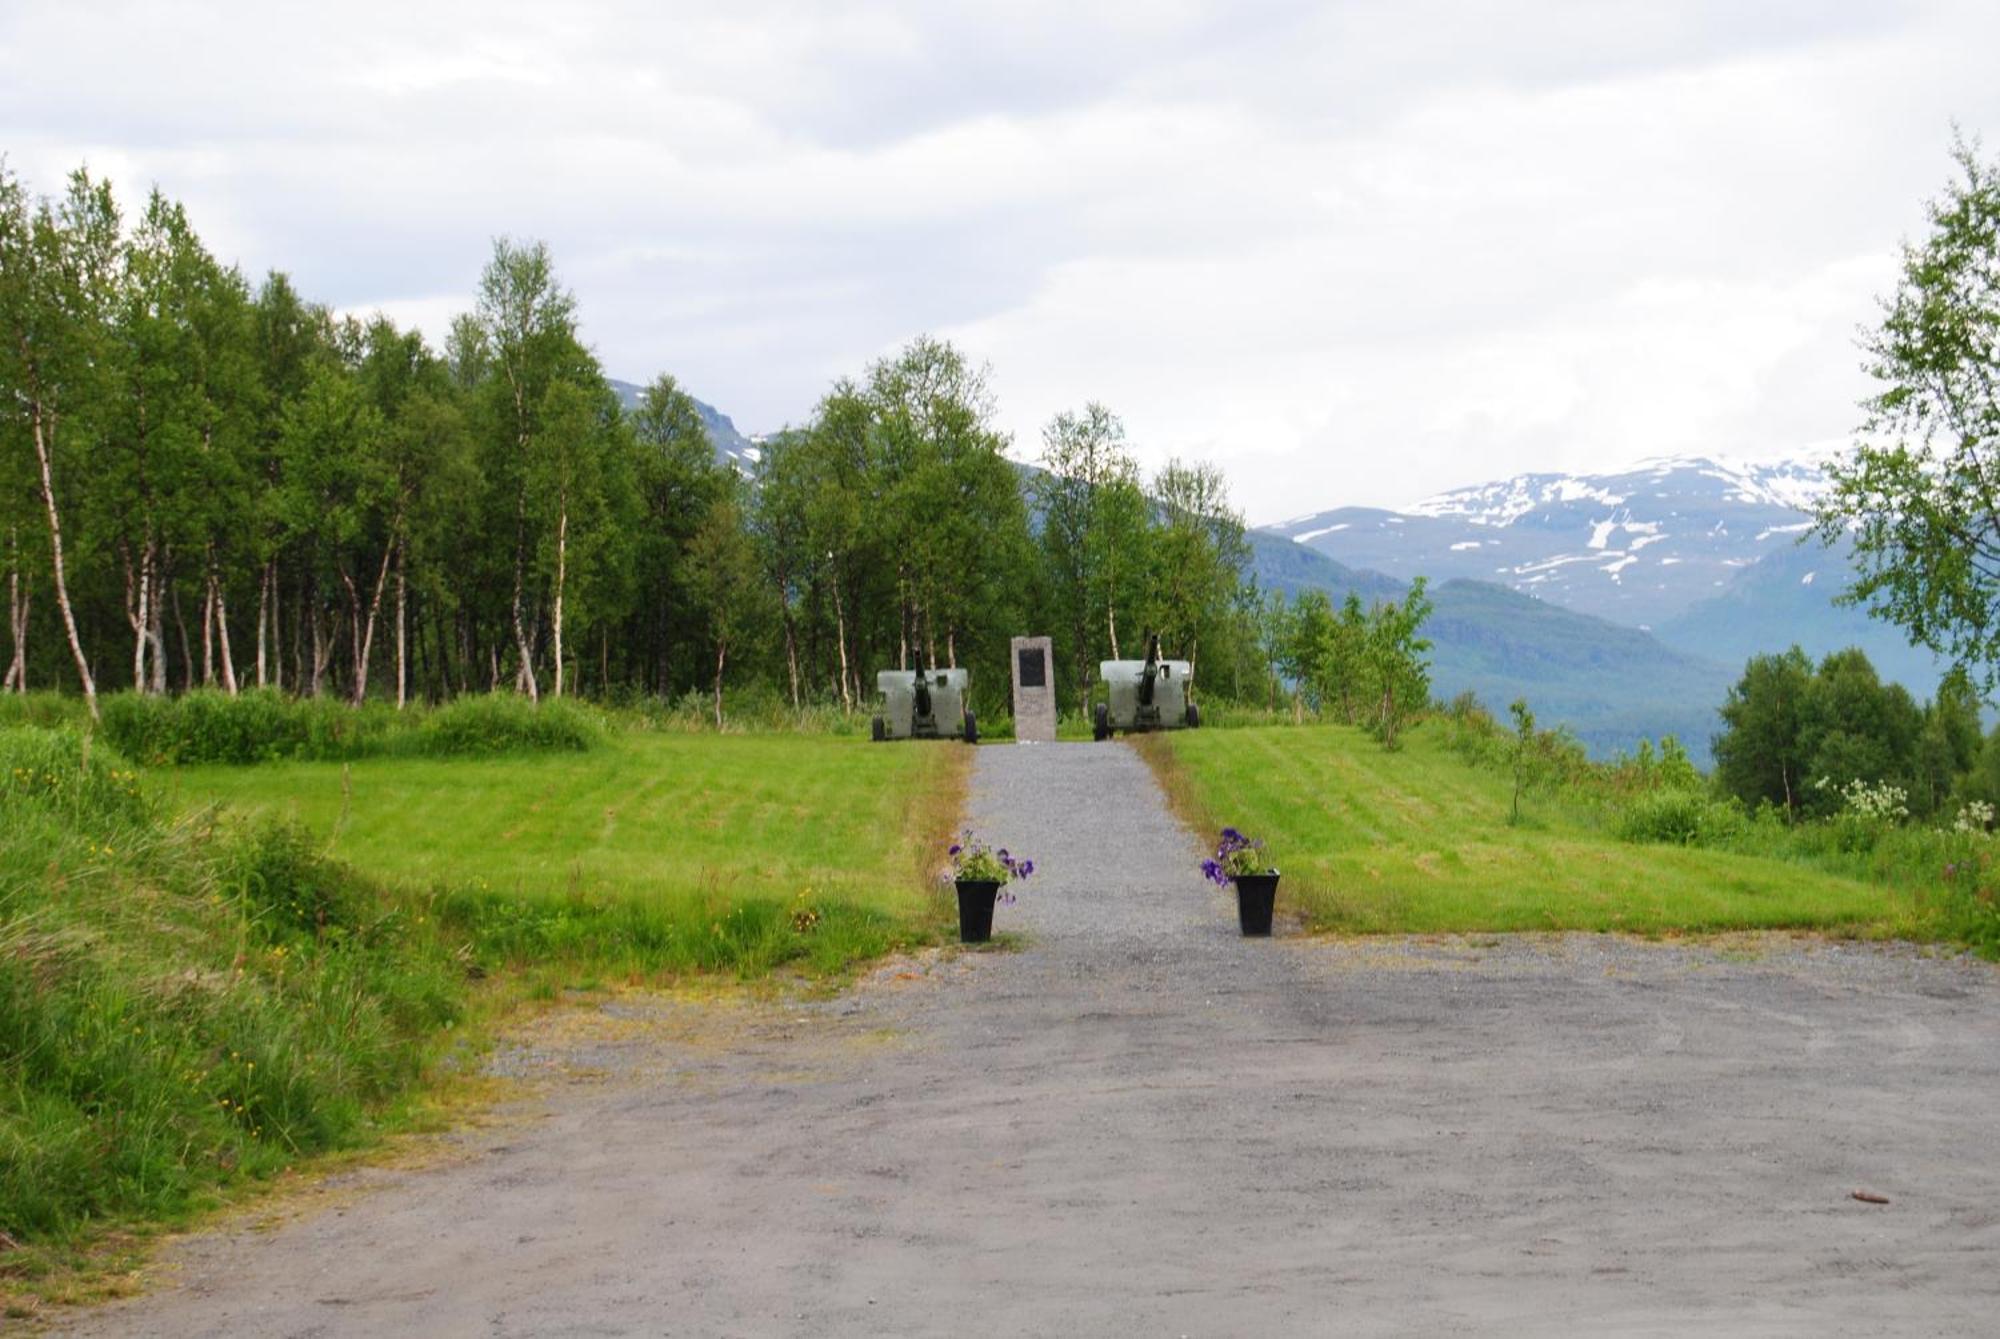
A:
[1140,1123]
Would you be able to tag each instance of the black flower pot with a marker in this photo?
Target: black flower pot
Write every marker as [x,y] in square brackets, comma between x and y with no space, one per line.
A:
[975,909]
[1256,895]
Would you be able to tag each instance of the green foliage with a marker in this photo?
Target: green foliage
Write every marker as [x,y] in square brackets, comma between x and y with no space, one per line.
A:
[501,723]
[192,1001]
[48,710]
[1919,495]
[1094,520]
[1416,841]
[170,1021]
[1523,759]
[1795,734]
[263,725]
[1680,816]
[1361,668]
[257,726]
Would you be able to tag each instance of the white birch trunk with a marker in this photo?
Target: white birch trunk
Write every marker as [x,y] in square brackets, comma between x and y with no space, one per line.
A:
[840,640]
[562,572]
[208,632]
[263,623]
[228,658]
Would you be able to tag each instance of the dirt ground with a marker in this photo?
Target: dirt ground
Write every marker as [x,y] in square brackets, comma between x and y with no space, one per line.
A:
[1141,1123]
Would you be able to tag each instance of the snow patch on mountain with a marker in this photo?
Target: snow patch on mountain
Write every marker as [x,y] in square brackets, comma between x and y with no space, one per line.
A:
[1636,545]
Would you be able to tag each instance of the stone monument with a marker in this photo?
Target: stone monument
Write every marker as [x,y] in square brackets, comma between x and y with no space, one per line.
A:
[1034,690]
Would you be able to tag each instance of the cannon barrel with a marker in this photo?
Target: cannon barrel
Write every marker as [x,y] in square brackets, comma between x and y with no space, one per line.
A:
[1152,670]
[923,687]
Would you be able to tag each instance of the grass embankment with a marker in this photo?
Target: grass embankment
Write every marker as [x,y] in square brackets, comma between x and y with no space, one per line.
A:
[184,1003]
[1418,841]
[194,996]
[680,827]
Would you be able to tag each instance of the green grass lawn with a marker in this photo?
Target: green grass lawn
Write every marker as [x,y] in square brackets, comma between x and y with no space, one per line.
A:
[1417,841]
[645,816]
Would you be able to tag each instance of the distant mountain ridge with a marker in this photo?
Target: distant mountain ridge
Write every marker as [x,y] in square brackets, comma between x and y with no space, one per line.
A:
[1637,546]
[1715,557]
[1611,685]
[731,446]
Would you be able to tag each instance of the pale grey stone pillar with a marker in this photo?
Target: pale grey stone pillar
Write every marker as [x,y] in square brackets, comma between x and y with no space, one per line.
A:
[1034,689]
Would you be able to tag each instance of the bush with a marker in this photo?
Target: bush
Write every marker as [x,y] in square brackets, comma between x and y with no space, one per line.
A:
[504,723]
[264,725]
[1679,817]
[261,725]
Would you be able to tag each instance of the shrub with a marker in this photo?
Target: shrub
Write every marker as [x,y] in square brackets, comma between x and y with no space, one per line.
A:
[1680,817]
[261,725]
[504,723]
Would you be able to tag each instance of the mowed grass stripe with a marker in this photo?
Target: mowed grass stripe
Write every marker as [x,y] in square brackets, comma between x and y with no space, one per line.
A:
[644,816]
[1417,841]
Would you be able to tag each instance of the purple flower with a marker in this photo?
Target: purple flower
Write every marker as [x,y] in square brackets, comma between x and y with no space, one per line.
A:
[1027,868]
[956,849]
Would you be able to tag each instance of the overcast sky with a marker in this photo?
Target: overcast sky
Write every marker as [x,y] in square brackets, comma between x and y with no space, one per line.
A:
[1354,252]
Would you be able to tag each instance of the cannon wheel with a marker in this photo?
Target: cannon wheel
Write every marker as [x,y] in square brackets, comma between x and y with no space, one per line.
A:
[971,728]
[1193,716]
[877,731]
[1101,728]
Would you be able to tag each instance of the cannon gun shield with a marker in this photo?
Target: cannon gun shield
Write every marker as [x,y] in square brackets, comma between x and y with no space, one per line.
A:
[1149,694]
[923,704]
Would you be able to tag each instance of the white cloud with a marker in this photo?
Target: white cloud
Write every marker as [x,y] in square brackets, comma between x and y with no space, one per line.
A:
[1358,252]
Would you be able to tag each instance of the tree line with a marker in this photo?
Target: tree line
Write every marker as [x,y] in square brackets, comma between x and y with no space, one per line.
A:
[207,482]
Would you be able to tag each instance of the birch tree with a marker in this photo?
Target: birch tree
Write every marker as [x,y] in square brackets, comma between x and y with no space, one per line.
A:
[58,273]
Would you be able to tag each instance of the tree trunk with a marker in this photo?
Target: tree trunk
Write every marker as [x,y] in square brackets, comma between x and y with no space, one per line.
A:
[322,646]
[41,431]
[792,656]
[721,651]
[402,629]
[363,624]
[156,613]
[562,573]
[222,639]
[187,647]
[263,623]
[138,610]
[18,603]
[208,631]
[840,640]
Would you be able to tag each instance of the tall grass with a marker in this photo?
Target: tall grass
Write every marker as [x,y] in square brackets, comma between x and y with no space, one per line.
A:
[1654,797]
[264,725]
[184,1003]
[1416,841]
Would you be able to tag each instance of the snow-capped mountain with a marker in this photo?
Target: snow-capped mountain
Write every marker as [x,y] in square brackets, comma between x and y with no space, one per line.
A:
[1639,546]
[731,446]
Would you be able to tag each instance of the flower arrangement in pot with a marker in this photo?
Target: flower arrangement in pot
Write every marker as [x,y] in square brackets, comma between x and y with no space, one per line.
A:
[1241,860]
[982,875]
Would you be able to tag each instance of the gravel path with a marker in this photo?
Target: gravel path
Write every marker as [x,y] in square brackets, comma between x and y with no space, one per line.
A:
[1144,1124]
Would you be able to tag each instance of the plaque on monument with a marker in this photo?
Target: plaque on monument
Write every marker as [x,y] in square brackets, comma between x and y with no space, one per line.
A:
[1034,695]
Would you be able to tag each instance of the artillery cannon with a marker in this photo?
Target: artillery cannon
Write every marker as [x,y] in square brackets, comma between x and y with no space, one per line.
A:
[1149,694]
[924,704]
